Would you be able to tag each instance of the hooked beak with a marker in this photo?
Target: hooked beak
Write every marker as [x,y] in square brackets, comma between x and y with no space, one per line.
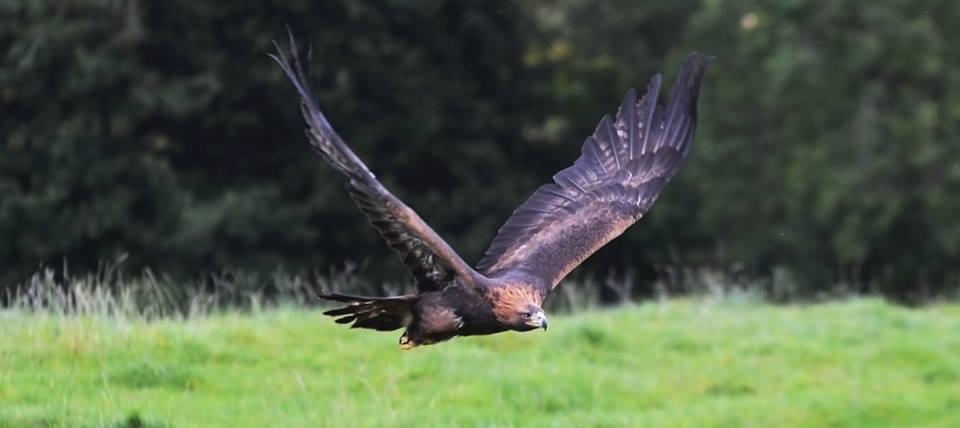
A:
[543,321]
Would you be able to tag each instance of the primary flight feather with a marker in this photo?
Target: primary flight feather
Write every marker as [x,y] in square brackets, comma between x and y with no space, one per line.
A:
[624,166]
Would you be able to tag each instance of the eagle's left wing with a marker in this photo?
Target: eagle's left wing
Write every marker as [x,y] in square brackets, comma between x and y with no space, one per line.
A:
[430,260]
[624,166]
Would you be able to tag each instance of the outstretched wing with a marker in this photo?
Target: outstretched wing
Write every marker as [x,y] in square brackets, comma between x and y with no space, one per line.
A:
[624,166]
[429,259]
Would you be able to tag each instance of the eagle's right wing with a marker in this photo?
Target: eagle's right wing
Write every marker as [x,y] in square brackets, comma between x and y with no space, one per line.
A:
[431,261]
[625,164]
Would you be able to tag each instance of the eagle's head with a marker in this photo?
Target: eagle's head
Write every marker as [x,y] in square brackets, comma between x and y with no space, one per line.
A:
[520,310]
[530,318]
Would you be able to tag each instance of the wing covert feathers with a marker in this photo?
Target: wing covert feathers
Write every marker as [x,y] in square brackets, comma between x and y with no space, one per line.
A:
[622,169]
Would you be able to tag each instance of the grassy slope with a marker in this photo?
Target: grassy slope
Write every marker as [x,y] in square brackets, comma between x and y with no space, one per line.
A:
[676,364]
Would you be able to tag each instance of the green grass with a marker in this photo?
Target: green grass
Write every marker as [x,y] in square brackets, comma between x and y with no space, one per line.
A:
[861,363]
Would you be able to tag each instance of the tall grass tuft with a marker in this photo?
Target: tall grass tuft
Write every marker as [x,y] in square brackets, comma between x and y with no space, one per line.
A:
[111,293]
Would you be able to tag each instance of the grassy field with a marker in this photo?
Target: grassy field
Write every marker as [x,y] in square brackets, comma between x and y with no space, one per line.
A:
[860,363]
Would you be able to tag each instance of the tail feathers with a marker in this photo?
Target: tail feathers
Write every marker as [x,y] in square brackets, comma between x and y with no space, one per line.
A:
[375,313]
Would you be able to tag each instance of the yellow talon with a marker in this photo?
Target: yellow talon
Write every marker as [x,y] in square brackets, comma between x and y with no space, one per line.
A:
[405,343]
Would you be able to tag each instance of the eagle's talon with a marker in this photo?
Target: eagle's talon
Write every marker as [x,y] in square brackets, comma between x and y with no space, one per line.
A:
[405,343]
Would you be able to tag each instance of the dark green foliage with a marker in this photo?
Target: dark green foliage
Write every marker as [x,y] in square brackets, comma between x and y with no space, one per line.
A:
[831,144]
[162,131]
[159,132]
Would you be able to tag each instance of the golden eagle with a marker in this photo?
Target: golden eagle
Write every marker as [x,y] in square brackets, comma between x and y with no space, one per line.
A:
[624,166]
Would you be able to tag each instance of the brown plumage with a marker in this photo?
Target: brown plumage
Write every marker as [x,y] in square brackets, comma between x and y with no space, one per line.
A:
[624,166]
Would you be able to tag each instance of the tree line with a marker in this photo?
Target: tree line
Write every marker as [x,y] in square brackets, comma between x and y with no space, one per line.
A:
[159,133]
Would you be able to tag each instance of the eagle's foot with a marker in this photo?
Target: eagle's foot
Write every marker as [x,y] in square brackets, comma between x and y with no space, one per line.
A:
[405,343]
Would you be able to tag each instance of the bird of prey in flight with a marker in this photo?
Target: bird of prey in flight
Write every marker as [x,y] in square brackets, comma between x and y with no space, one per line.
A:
[624,165]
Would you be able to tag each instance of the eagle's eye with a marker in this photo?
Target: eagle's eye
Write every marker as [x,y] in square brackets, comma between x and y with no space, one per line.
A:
[527,314]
